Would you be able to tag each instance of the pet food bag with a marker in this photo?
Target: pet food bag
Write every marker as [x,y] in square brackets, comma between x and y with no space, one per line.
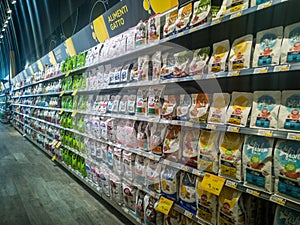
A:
[184,16]
[155,100]
[217,62]
[168,63]
[287,169]
[154,28]
[190,137]
[199,109]
[208,158]
[231,207]
[140,170]
[289,116]
[184,105]
[286,216]
[153,170]
[267,47]
[169,107]
[239,109]
[169,182]
[201,10]
[172,140]
[290,49]
[230,146]
[141,101]
[139,205]
[265,109]
[218,109]
[128,160]
[182,60]
[141,34]
[187,192]
[129,195]
[157,135]
[143,68]
[116,188]
[206,204]
[156,65]
[257,162]
[170,23]
[199,61]
[143,135]
[152,216]
[240,53]
[173,218]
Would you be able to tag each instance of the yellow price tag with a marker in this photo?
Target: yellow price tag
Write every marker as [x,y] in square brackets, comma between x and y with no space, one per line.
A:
[212,183]
[252,192]
[186,169]
[188,214]
[53,158]
[61,112]
[58,144]
[74,113]
[68,73]
[164,205]
[54,143]
[74,92]
[62,93]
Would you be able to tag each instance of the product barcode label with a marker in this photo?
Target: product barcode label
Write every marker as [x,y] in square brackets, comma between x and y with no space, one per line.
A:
[264,5]
[260,70]
[196,172]
[266,133]
[184,168]
[211,75]
[211,127]
[188,214]
[235,15]
[293,136]
[233,129]
[233,73]
[278,200]
[217,21]
[189,124]
[252,192]
[281,68]
[231,184]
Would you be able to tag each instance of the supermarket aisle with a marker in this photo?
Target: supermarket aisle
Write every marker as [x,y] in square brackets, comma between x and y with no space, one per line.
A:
[34,191]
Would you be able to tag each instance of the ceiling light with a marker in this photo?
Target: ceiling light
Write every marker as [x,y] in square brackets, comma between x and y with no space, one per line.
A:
[6,22]
[9,17]
[3,29]
[9,11]
[13,2]
[1,36]
[5,25]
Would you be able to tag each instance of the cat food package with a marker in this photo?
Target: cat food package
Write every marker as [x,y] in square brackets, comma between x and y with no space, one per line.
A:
[169,182]
[143,68]
[170,23]
[289,116]
[199,62]
[117,162]
[290,49]
[286,216]
[129,195]
[190,137]
[287,169]
[267,47]
[265,109]
[169,107]
[183,107]
[143,135]
[239,108]
[234,6]
[116,189]
[217,62]
[171,149]
[140,170]
[153,170]
[257,162]
[230,146]
[173,218]
[201,10]
[187,192]
[157,135]
[155,100]
[139,205]
[208,158]
[151,215]
[123,104]
[182,60]
[240,53]
[218,109]
[184,16]
[231,207]
[168,63]
[141,34]
[125,73]
[187,221]
[206,204]
[154,28]
[105,179]
[258,2]
[134,72]
[141,101]
[131,134]
[199,109]
[156,65]
[131,104]
[128,160]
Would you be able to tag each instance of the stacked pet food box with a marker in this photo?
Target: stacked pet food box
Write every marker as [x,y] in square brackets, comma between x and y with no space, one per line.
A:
[138,128]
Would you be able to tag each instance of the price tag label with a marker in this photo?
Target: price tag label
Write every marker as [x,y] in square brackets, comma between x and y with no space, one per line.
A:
[175,122]
[74,92]
[233,129]
[166,162]
[62,93]
[140,153]
[126,211]
[278,200]
[260,70]
[188,214]
[196,172]
[152,157]
[252,192]
[235,15]
[194,29]
[184,168]
[213,183]
[211,127]
[293,136]
[281,68]
[189,124]
[217,21]
[61,112]
[164,205]
[74,113]
[58,144]
[231,184]
[266,133]
[53,158]
[211,75]
[54,143]
[233,73]
[264,5]
[68,73]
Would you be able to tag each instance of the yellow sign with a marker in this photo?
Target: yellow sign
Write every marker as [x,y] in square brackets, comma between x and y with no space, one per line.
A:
[68,73]
[74,113]
[212,183]
[159,6]
[164,205]
[52,58]
[74,92]
[70,47]
[40,65]
[100,32]
[58,144]
[53,158]
[61,112]
[54,143]
[62,93]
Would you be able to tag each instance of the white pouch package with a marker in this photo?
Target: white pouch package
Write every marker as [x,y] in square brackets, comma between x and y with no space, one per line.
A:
[217,111]
[267,47]
[217,62]
[199,61]
[265,109]
[201,10]
[240,53]
[290,49]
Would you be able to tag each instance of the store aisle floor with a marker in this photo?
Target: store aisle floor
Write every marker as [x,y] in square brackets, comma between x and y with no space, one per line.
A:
[35,191]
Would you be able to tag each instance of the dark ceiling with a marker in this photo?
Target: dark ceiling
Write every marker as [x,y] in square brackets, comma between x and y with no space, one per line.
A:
[38,26]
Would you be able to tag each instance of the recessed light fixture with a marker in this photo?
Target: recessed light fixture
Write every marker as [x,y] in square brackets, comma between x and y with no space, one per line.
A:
[3,29]
[9,17]
[5,25]
[6,22]
[9,11]
[1,36]
[13,2]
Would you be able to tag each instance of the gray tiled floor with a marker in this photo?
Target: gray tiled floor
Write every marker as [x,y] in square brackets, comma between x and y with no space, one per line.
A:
[35,191]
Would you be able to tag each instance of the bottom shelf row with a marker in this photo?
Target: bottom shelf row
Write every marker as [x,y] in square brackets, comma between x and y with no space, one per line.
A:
[192,205]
